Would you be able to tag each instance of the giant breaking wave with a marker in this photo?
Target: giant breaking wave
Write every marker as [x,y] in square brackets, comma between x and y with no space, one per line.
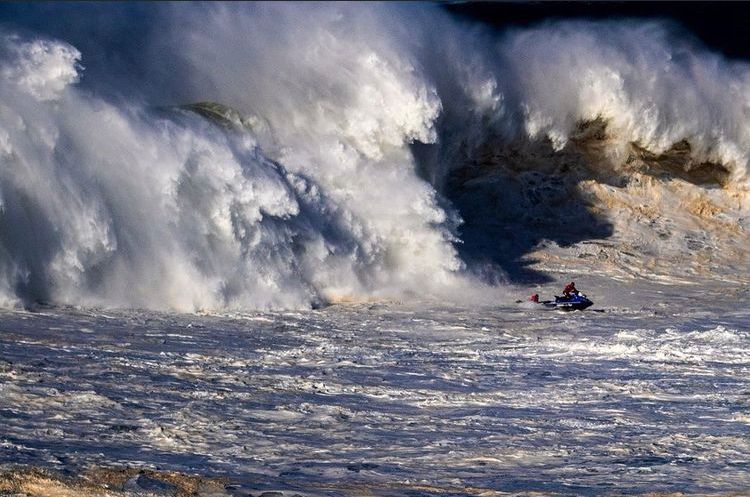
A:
[355,152]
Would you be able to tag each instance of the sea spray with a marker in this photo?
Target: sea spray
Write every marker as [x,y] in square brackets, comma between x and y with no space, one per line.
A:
[110,204]
[345,178]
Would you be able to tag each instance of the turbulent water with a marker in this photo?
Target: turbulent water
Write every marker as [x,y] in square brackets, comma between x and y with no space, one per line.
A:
[366,151]
[393,399]
[254,163]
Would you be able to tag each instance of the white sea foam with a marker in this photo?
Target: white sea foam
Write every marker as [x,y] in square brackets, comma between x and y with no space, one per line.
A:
[447,396]
[42,68]
[650,83]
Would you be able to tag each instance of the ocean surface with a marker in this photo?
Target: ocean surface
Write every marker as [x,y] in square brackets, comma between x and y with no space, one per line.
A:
[649,392]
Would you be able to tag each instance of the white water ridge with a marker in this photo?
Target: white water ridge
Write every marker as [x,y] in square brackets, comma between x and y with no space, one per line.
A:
[112,205]
[378,152]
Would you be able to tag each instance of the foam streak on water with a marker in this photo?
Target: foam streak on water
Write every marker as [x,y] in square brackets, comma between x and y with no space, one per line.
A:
[388,397]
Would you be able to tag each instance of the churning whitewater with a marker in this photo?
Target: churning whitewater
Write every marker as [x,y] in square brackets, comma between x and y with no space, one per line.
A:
[260,161]
[260,156]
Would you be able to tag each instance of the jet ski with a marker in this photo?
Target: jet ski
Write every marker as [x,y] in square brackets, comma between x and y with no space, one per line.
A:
[576,302]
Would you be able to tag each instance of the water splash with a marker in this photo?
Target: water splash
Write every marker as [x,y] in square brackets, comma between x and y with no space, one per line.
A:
[340,180]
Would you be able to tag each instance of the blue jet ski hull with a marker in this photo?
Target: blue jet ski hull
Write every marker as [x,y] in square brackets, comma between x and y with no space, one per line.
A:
[577,302]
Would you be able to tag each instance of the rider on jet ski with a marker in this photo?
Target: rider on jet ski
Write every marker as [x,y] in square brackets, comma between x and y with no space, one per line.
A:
[569,290]
[572,300]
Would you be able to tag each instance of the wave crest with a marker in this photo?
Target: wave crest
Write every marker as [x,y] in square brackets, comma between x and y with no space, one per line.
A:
[353,141]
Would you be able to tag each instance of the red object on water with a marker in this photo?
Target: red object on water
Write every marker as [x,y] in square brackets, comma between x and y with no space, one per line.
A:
[534,297]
